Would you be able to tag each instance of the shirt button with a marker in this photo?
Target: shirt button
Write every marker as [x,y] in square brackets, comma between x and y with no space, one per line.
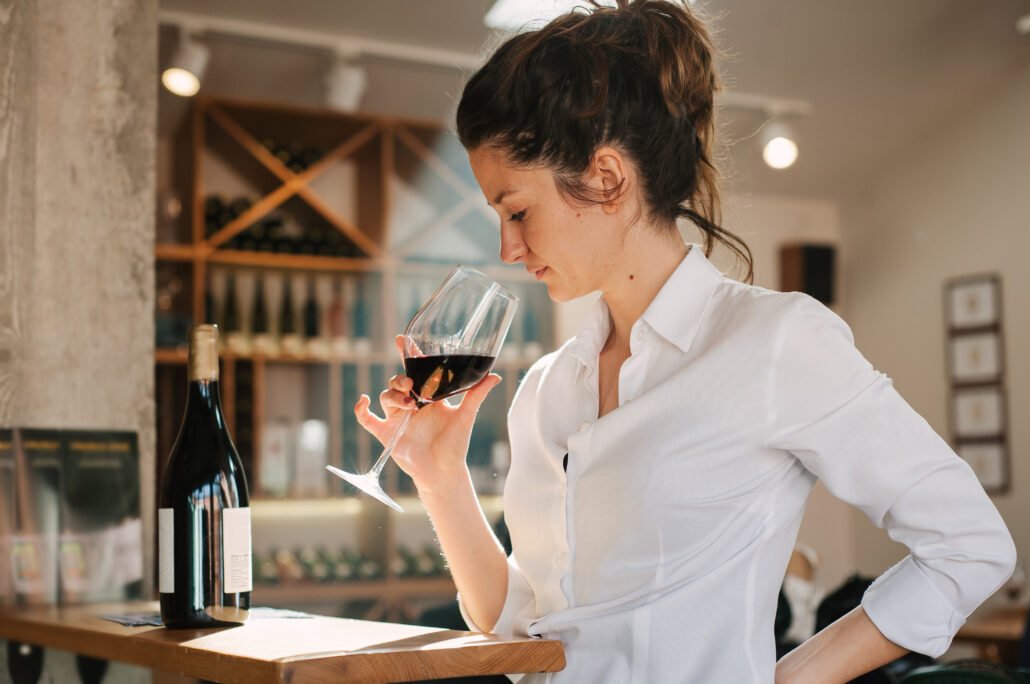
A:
[559,559]
[583,426]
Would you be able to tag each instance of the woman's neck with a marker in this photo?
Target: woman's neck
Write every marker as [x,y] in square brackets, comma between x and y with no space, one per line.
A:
[650,258]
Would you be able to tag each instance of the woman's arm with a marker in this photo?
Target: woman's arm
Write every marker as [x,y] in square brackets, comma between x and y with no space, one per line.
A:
[477,561]
[849,647]
[432,451]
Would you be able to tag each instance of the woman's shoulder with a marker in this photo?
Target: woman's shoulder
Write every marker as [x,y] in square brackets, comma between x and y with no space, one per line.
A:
[756,308]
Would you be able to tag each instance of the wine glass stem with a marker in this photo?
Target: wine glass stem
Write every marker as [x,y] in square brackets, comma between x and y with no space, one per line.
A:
[388,449]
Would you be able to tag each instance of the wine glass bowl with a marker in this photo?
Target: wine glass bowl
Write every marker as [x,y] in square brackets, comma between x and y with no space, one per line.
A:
[450,345]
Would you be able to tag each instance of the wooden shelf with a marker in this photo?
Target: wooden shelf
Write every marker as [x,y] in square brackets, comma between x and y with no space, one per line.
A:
[170,356]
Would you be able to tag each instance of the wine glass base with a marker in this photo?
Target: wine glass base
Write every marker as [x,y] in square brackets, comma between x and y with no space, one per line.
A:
[367,483]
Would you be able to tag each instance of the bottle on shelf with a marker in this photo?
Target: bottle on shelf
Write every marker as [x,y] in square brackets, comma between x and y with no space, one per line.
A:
[339,330]
[313,339]
[360,314]
[290,341]
[312,456]
[276,457]
[265,571]
[260,333]
[288,567]
[204,543]
[235,340]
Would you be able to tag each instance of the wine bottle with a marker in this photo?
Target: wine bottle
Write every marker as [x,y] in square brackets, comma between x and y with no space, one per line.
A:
[287,321]
[204,544]
[289,339]
[234,339]
[360,314]
[338,329]
[311,311]
[259,319]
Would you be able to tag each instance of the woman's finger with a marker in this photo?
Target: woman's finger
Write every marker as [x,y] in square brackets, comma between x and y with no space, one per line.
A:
[392,400]
[406,350]
[474,398]
[400,383]
[366,418]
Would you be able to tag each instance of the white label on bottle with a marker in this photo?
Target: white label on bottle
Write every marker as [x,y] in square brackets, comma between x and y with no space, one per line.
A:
[236,550]
[165,550]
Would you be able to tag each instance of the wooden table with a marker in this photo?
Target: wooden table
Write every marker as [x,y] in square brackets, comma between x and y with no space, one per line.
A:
[281,649]
[997,629]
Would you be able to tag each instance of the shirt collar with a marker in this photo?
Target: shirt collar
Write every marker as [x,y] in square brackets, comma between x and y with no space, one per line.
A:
[675,313]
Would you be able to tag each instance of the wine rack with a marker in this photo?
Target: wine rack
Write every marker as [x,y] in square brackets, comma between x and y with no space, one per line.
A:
[380,209]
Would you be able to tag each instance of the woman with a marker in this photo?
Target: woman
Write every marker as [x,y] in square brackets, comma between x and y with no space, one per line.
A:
[662,458]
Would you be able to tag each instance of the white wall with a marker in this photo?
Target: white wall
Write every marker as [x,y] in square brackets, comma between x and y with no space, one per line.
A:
[954,203]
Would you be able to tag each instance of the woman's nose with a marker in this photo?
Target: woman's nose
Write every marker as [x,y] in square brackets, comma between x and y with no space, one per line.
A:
[512,246]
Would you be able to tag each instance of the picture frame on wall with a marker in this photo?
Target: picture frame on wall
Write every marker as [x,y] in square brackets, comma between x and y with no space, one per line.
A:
[976,358]
[973,302]
[978,413]
[989,460]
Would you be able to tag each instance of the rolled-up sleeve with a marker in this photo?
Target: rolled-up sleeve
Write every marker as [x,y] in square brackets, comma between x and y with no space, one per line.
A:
[848,425]
[518,597]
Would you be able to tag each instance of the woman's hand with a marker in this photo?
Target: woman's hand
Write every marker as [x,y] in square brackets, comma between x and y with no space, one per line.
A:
[433,448]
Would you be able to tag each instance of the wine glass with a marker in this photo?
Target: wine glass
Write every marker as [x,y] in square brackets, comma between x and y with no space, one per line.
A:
[449,346]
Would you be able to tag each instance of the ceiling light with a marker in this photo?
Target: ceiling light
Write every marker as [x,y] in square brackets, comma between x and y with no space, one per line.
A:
[345,83]
[184,72]
[779,149]
[1023,24]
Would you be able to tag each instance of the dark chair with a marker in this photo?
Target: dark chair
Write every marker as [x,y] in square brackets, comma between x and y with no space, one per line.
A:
[966,672]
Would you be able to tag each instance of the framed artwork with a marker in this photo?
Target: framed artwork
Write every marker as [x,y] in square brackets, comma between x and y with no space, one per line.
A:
[990,463]
[975,358]
[972,303]
[978,413]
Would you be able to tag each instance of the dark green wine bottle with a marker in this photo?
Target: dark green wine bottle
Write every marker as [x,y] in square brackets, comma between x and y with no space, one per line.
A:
[230,315]
[287,320]
[311,311]
[203,517]
[259,312]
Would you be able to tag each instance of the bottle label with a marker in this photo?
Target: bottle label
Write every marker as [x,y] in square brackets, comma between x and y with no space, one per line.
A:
[236,550]
[166,556]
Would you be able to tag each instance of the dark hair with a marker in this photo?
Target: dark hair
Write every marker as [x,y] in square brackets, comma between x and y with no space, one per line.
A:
[639,77]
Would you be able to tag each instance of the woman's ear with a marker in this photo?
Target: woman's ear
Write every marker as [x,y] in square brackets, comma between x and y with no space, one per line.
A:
[609,177]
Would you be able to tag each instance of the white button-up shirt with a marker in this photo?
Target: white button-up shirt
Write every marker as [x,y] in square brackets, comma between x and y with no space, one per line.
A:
[659,555]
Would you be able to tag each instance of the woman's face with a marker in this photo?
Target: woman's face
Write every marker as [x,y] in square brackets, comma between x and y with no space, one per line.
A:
[571,248]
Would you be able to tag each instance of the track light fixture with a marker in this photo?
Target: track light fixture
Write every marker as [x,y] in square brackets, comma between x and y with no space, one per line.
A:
[345,83]
[189,61]
[779,144]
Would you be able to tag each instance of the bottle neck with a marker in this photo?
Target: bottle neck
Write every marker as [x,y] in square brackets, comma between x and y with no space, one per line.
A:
[203,395]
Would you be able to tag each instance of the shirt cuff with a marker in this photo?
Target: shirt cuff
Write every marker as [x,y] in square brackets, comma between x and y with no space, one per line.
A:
[908,610]
[518,596]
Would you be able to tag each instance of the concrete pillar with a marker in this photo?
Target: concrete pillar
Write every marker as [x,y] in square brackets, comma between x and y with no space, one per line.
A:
[78,112]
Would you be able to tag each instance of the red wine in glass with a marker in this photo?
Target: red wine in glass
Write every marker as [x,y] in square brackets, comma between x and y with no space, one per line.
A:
[439,377]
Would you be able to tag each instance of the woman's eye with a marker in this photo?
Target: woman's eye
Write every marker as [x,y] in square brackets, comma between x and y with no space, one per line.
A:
[518,217]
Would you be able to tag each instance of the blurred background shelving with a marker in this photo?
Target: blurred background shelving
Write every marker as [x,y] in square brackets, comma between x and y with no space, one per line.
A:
[311,236]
